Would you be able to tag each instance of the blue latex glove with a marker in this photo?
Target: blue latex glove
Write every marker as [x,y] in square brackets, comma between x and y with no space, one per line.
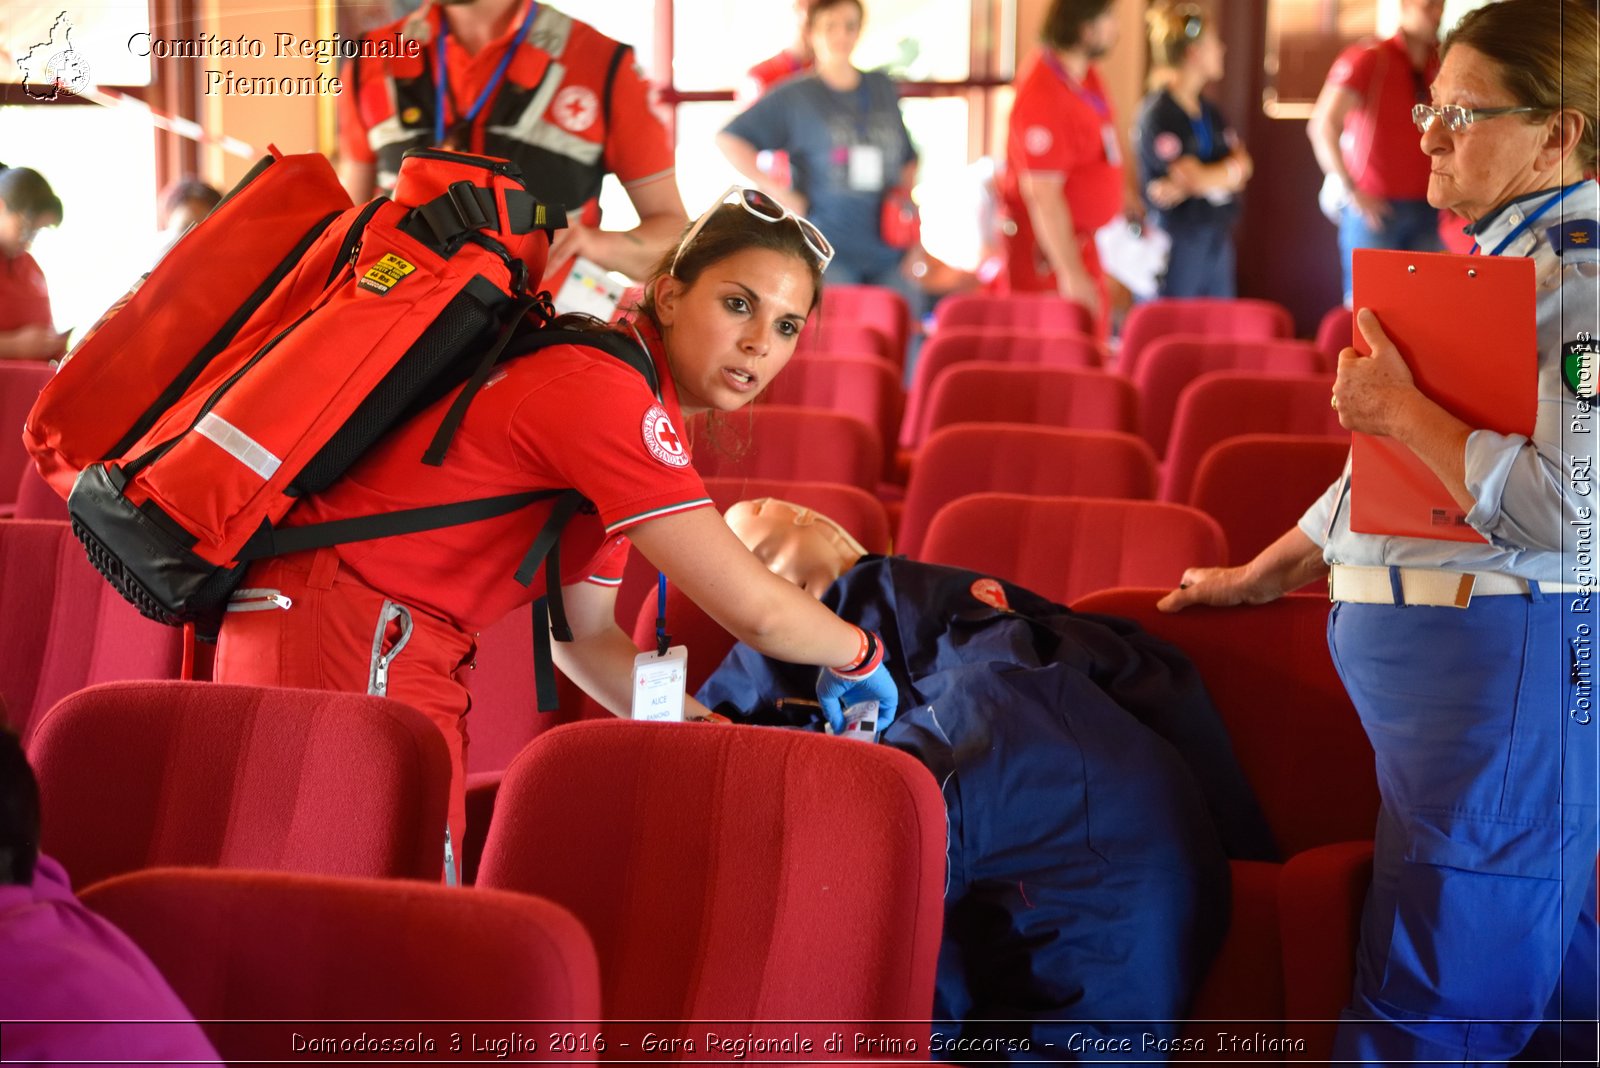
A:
[835,693]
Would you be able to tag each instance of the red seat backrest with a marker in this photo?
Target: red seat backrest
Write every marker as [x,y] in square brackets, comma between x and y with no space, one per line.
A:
[981,391]
[720,880]
[878,307]
[1065,547]
[1171,363]
[827,336]
[958,345]
[1258,485]
[1004,458]
[804,444]
[1014,311]
[271,946]
[1335,333]
[1294,730]
[867,387]
[150,774]
[63,627]
[1212,316]
[1224,404]
[20,383]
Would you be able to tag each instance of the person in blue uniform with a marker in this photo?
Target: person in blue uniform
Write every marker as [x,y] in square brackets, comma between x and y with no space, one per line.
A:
[1091,790]
[1479,934]
[1192,165]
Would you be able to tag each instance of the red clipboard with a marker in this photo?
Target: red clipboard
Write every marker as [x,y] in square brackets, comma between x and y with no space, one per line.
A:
[1466,326]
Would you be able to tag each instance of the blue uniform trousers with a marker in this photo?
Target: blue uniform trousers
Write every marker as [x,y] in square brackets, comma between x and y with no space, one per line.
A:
[1412,224]
[1480,924]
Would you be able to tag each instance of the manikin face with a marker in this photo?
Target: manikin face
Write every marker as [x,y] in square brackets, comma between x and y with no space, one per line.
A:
[808,549]
[1494,160]
[730,333]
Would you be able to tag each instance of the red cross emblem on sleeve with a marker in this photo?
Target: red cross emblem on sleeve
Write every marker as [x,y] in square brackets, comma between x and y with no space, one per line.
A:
[661,439]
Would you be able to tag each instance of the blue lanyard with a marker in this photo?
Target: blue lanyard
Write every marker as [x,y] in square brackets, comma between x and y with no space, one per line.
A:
[440,78]
[663,639]
[1529,221]
[1082,92]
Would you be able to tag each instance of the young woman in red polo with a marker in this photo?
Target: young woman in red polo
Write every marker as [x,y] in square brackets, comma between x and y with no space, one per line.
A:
[398,616]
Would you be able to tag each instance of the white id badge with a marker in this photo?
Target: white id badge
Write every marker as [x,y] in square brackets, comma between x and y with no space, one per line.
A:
[658,685]
[1108,137]
[865,169]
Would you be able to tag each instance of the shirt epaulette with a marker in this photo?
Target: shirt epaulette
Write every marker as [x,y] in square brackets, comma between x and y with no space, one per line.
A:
[1575,235]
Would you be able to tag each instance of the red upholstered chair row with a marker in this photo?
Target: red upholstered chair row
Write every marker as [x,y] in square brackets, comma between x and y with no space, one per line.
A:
[1169,364]
[878,308]
[1335,332]
[839,335]
[1012,311]
[984,391]
[1006,458]
[1241,317]
[62,626]
[289,950]
[1065,547]
[20,383]
[734,873]
[1224,404]
[35,499]
[1258,485]
[780,441]
[147,774]
[867,387]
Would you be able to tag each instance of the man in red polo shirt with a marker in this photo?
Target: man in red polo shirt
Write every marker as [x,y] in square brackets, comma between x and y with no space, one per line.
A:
[497,97]
[1366,145]
[1065,175]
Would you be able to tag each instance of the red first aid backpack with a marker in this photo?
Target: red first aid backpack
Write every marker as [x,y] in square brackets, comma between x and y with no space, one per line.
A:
[271,347]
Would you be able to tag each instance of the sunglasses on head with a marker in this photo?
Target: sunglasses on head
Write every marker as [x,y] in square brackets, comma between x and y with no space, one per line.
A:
[766,209]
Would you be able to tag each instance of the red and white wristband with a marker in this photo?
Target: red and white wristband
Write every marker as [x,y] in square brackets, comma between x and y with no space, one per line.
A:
[867,660]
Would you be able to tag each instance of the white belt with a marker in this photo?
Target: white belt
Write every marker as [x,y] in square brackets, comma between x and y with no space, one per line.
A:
[1426,586]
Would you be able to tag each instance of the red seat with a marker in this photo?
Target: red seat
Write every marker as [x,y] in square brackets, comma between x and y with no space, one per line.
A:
[35,499]
[1258,485]
[63,627]
[778,441]
[688,625]
[1043,461]
[1239,317]
[731,873]
[1294,730]
[323,957]
[867,387]
[1224,404]
[150,774]
[1014,311]
[878,307]
[981,391]
[1335,333]
[1065,547]
[959,345]
[20,383]
[1171,363]
[827,337]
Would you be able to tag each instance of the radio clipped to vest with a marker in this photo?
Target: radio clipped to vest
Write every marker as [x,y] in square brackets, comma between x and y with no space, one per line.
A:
[271,347]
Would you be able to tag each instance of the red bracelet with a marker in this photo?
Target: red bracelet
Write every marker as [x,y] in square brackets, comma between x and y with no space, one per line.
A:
[866,661]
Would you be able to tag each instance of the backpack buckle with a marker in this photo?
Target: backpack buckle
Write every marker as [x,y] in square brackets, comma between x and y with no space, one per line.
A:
[464,198]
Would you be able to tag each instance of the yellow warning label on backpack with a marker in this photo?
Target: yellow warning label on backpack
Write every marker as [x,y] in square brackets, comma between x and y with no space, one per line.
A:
[386,273]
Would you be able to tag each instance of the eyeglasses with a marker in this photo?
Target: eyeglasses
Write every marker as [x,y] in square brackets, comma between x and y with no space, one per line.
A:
[766,209]
[1457,118]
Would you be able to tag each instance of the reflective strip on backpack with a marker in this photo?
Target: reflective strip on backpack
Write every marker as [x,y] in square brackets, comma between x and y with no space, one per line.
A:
[237,444]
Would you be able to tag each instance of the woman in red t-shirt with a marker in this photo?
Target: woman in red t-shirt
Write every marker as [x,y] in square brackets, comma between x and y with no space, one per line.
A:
[27,204]
[398,616]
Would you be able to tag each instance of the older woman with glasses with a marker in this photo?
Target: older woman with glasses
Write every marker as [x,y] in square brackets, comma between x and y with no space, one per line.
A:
[1479,931]
[1192,164]
[398,616]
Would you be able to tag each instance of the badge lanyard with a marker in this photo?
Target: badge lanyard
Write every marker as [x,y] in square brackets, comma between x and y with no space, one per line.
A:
[1094,99]
[1529,221]
[1202,134]
[441,78]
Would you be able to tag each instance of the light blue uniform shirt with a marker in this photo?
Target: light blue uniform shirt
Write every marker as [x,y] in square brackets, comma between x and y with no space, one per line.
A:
[1536,498]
